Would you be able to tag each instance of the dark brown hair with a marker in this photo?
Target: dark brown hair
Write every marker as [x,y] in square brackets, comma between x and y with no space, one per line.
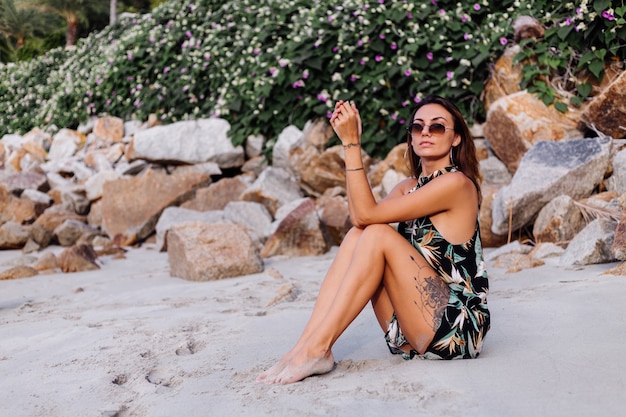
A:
[463,155]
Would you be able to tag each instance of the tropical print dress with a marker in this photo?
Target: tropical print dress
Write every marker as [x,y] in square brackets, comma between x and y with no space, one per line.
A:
[466,318]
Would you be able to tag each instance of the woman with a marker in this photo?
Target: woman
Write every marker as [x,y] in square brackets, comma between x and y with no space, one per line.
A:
[426,280]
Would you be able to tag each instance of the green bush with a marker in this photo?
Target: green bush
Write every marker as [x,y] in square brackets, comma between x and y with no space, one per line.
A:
[265,64]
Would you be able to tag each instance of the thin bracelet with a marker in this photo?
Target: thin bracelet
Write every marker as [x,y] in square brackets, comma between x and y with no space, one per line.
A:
[350,145]
[354,169]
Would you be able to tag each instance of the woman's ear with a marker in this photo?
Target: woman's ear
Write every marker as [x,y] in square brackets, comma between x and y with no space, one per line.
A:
[457,140]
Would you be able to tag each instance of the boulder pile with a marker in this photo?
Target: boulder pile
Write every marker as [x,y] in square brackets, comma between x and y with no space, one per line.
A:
[551,189]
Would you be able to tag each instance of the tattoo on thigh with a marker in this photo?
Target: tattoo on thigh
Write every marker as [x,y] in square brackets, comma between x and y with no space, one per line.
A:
[433,293]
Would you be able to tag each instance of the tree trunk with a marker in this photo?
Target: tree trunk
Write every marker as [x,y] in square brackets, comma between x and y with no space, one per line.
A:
[71,33]
[113,12]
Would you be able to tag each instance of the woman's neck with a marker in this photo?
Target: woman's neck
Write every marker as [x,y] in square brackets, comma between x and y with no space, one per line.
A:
[428,167]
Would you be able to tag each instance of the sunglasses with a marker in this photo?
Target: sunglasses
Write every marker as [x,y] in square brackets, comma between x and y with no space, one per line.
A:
[435,128]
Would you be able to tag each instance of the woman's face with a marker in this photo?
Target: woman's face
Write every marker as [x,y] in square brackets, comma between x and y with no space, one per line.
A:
[432,133]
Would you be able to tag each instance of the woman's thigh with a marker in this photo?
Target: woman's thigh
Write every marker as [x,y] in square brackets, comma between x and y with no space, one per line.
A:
[415,292]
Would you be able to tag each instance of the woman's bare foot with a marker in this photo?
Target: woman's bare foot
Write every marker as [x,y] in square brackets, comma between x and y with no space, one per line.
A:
[274,370]
[301,366]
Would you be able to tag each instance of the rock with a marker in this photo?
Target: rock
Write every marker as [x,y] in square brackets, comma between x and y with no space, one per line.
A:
[206,252]
[319,171]
[519,121]
[487,237]
[13,235]
[558,221]
[47,261]
[54,216]
[109,128]
[71,231]
[65,143]
[617,181]
[173,216]
[619,243]
[573,168]
[217,195]
[390,180]
[546,250]
[273,188]
[332,208]
[20,210]
[34,179]
[607,111]
[290,138]
[78,258]
[190,142]
[515,262]
[254,146]
[299,232]
[505,77]
[21,271]
[104,159]
[147,196]
[515,247]
[494,171]
[394,160]
[592,245]
[95,184]
[40,235]
[254,217]
[526,27]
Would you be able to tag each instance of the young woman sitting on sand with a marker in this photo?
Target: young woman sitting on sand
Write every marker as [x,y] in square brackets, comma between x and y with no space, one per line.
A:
[426,280]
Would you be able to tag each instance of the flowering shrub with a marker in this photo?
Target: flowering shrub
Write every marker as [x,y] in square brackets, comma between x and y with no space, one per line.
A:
[582,38]
[265,64]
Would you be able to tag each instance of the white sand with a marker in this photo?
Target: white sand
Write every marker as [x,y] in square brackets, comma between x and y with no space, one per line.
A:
[129,340]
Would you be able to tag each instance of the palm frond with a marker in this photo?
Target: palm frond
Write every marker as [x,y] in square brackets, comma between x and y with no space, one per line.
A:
[591,212]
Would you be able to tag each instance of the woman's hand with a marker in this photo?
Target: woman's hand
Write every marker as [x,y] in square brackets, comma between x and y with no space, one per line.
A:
[346,122]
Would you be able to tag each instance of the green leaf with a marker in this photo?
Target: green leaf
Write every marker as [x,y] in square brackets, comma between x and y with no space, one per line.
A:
[584,90]
[600,5]
[597,68]
[560,106]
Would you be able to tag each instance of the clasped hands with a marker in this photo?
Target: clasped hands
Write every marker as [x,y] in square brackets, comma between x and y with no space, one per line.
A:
[346,122]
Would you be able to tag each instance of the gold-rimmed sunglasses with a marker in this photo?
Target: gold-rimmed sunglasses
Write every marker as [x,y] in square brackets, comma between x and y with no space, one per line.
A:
[435,128]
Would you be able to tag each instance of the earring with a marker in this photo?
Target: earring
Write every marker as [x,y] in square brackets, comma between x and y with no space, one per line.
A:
[451,159]
[406,152]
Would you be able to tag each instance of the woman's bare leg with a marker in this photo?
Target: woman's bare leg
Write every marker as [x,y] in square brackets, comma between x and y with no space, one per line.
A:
[416,293]
[329,287]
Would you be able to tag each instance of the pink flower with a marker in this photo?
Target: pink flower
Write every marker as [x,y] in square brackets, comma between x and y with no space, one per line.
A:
[407,73]
[464,18]
[321,97]
[449,75]
[477,7]
[503,41]
[381,36]
[608,15]
[466,36]
[429,56]
[378,58]
[298,84]
[568,21]
[362,62]
[394,46]
[409,16]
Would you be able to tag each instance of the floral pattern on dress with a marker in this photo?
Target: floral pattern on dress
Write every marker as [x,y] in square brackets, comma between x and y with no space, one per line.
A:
[466,319]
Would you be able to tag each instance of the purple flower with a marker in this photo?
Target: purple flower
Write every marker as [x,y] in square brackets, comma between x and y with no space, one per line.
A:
[273,71]
[449,75]
[466,36]
[362,61]
[188,33]
[298,84]
[353,78]
[305,75]
[464,18]
[442,12]
[503,41]
[429,56]
[321,97]
[407,73]
[330,18]
[608,15]
[402,121]
[335,49]
[409,16]
[381,36]
[381,1]
[477,7]
[360,42]
[568,21]
[433,2]
[378,58]
[394,46]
